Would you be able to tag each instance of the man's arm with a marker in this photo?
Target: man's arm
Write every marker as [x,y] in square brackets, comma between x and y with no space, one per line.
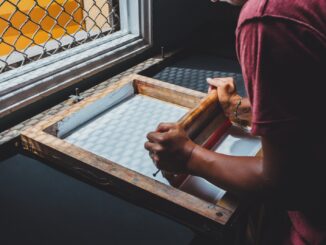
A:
[238,174]
[174,152]
[279,176]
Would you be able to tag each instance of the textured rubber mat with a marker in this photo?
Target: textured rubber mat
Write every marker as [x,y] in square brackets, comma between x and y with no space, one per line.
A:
[196,78]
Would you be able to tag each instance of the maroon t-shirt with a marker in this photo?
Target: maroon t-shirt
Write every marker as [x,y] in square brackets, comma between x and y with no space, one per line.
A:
[281,47]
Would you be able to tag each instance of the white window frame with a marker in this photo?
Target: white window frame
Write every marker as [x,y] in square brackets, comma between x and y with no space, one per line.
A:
[27,84]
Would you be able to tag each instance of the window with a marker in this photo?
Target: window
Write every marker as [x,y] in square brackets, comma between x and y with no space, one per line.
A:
[46,45]
[31,30]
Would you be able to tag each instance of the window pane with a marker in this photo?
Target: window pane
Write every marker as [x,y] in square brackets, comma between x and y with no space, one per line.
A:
[31,30]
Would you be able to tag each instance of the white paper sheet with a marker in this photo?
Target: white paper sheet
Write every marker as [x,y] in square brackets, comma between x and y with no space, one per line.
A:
[237,142]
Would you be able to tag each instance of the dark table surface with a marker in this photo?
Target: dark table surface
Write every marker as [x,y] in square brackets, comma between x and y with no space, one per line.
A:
[40,205]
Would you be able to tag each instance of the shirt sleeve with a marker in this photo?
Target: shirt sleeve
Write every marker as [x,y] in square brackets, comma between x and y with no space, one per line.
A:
[278,69]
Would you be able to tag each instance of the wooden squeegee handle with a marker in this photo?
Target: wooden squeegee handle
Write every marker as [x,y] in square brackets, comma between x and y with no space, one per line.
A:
[210,99]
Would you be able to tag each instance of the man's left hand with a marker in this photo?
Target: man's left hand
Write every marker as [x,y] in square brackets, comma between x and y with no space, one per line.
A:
[170,148]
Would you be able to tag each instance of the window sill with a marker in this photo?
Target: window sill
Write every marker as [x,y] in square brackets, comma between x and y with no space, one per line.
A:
[39,79]
[32,82]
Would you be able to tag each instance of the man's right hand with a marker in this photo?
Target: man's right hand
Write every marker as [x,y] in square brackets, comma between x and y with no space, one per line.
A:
[230,99]
[227,94]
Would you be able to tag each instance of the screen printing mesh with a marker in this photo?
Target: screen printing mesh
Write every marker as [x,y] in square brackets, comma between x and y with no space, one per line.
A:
[119,134]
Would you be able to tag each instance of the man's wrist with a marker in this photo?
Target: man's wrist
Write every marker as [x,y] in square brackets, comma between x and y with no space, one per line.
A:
[236,109]
[188,150]
[241,108]
[192,164]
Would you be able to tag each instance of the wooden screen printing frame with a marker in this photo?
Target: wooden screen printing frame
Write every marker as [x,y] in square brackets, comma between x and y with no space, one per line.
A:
[202,120]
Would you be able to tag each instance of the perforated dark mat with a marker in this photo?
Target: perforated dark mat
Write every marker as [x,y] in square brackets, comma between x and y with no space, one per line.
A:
[196,78]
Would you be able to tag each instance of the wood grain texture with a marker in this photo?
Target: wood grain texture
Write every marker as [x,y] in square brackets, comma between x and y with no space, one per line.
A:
[173,203]
[189,119]
[198,118]
[168,92]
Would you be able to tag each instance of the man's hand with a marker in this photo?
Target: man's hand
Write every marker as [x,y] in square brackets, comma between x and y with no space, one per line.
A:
[170,148]
[230,100]
[227,94]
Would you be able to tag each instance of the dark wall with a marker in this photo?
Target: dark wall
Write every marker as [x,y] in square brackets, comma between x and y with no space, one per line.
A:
[180,22]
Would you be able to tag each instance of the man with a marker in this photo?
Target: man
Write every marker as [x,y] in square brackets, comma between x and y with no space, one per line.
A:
[281,47]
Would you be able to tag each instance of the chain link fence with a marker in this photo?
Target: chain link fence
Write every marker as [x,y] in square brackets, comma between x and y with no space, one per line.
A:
[34,29]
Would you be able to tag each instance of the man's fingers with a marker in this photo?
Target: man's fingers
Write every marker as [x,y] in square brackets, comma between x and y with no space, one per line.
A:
[165,127]
[153,147]
[211,88]
[229,87]
[156,137]
[215,82]
[226,83]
